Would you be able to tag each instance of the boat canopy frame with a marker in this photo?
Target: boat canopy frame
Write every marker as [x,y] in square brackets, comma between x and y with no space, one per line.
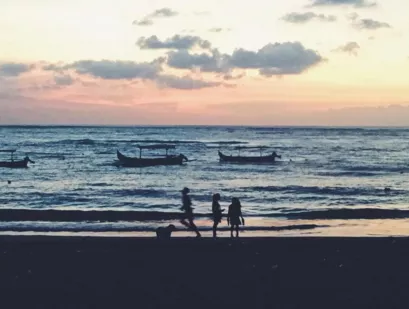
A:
[11,151]
[155,146]
[261,148]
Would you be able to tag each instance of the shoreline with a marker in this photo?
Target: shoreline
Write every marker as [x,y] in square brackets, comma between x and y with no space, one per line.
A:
[255,227]
[273,272]
[192,240]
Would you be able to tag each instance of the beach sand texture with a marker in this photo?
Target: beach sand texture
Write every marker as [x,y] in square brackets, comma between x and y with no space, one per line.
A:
[284,272]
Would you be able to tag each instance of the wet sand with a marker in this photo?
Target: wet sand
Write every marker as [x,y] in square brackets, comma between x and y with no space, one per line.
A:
[282,272]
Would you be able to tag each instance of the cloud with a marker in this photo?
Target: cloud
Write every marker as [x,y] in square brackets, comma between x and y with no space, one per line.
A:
[217,30]
[53,67]
[350,48]
[63,80]
[127,70]
[276,59]
[230,76]
[354,3]
[175,42]
[272,59]
[143,22]
[184,83]
[160,13]
[163,13]
[370,24]
[302,18]
[109,69]
[205,62]
[11,69]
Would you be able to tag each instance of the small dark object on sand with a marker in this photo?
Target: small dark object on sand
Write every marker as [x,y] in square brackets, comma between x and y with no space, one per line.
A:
[9,182]
[387,189]
[165,232]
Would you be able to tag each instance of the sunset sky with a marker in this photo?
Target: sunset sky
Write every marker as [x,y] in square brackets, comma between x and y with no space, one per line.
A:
[224,62]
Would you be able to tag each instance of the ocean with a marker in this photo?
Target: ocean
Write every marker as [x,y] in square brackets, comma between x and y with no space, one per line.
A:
[329,181]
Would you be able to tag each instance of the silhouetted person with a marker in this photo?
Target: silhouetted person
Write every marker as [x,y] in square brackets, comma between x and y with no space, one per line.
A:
[234,215]
[217,212]
[275,155]
[165,232]
[188,212]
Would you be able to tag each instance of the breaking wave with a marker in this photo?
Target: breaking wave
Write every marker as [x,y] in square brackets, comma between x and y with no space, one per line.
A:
[345,191]
[52,215]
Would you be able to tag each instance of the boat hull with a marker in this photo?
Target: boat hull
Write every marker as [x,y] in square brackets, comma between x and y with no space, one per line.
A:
[14,164]
[240,159]
[145,162]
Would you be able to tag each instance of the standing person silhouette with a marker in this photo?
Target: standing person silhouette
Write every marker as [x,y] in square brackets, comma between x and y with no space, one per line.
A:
[234,215]
[217,212]
[188,212]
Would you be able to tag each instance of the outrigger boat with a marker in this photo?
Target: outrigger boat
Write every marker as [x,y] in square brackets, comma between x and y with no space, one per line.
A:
[251,159]
[126,161]
[15,164]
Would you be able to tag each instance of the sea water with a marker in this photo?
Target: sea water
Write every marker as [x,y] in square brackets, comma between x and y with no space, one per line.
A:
[328,179]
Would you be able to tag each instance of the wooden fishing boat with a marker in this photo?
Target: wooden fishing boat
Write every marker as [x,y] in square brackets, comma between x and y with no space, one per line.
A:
[249,159]
[126,161]
[15,164]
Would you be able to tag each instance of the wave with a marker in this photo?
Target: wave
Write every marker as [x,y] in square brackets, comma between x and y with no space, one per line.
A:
[48,156]
[376,168]
[99,184]
[96,227]
[116,141]
[344,213]
[349,174]
[87,141]
[52,215]
[135,192]
[226,143]
[345,191]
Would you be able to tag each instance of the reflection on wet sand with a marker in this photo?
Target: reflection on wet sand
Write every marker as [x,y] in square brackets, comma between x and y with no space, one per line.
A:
[255,227]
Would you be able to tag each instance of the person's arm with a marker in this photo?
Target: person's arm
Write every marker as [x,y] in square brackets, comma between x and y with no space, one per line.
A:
[183,204]
[228,216]
[241,215]
[219,209]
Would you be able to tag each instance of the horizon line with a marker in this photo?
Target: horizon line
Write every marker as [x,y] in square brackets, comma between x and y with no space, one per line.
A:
[201,126]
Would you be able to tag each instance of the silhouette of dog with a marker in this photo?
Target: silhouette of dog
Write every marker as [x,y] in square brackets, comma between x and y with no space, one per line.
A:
[165,232]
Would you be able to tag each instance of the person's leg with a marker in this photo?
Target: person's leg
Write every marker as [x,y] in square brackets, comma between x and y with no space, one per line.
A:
[237,230]
[214,228]
[184,222]
[194,227]
[231,230]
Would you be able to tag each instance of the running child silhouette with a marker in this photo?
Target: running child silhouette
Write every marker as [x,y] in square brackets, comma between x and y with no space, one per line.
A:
[234,215]
[188,212]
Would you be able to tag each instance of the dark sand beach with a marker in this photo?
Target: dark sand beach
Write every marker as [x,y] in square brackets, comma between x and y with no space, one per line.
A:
[124,272]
